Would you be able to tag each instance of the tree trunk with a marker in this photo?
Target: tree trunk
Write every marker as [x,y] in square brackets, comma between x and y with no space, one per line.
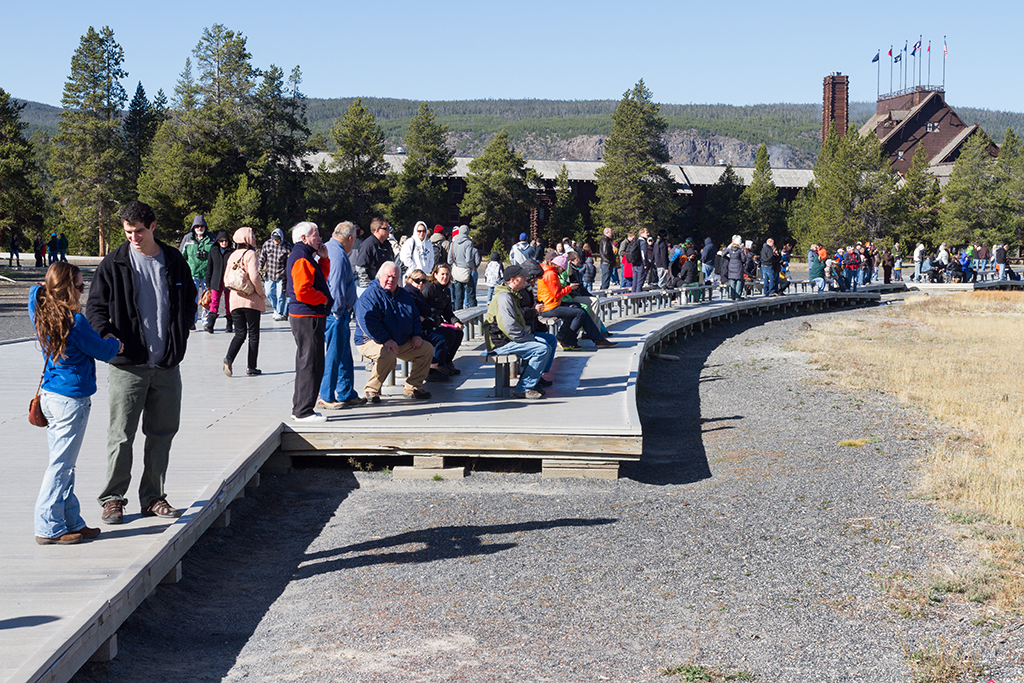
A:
[100,230]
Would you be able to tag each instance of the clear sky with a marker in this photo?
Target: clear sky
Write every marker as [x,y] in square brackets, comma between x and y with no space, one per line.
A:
[741,52]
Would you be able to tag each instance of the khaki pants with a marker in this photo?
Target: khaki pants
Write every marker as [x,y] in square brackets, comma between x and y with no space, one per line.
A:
[384,363]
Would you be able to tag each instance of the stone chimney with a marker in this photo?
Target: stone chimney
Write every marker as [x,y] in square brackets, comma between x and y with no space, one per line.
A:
[835,105]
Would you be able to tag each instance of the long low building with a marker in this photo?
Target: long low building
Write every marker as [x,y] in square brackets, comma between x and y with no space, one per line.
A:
[692,180]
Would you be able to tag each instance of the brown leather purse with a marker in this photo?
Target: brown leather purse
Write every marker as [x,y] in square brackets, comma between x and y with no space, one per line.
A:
[35,411]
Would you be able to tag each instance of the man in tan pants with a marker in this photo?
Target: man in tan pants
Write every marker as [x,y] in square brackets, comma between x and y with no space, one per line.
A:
[388,328]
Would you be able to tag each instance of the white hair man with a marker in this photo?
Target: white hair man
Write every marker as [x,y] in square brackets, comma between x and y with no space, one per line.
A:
[309,300]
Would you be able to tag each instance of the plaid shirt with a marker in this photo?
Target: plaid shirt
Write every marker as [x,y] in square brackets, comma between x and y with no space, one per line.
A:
[274,259]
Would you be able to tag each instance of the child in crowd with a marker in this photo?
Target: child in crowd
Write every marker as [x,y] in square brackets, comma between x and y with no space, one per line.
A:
[493,274]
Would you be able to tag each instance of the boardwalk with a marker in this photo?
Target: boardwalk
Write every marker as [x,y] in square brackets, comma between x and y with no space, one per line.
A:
[59,605]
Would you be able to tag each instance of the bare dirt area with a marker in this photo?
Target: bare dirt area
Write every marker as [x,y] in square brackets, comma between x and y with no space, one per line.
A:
[747,545]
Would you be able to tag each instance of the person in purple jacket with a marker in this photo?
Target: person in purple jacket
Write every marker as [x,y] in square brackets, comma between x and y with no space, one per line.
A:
[70,347]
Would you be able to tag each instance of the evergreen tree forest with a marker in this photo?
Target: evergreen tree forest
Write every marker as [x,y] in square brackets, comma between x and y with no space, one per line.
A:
[230,142]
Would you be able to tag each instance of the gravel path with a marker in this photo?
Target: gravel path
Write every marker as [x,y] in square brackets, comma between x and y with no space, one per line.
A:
[746,540]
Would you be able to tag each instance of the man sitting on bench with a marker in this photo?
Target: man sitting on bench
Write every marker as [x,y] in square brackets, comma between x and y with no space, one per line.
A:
[506,334]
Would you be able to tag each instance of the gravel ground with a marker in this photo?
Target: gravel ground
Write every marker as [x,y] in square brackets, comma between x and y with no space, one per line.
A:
[745,540]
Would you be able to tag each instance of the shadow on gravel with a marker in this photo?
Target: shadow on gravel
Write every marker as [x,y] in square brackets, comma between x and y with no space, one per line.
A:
[668,400]
[438,543]
[195,630]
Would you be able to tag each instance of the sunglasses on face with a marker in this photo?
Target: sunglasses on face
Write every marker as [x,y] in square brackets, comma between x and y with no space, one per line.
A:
[81,287]
[418,280]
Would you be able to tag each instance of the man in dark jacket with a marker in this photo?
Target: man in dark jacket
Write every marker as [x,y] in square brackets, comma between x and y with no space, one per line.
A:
[609,266]
[769,268]
[707,258]
[142,294]
[388,328]
[374,252]
[309,300]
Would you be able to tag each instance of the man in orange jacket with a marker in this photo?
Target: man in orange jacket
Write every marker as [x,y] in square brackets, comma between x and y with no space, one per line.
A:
[309,300]
[550,293]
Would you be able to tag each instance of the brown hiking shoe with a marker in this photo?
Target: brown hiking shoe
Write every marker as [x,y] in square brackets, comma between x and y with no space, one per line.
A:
[66,539]
[160,508]
[88,533]
[113,512]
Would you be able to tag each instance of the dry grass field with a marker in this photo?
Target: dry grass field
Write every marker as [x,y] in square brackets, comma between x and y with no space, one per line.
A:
[960,358]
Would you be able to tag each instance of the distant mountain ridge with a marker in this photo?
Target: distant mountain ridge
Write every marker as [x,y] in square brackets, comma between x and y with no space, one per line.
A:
[576,129]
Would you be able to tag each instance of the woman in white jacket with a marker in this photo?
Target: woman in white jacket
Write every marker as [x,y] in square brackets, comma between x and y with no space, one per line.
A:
[418,252]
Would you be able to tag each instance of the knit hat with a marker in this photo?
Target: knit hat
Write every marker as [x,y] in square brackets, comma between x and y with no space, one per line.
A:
[439,228]
[495,256]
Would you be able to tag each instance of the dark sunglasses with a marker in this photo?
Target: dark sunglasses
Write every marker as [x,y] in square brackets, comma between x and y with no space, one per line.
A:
[418,280]
[80,288]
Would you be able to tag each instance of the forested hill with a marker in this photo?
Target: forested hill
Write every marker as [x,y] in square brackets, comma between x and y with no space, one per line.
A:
[576,129]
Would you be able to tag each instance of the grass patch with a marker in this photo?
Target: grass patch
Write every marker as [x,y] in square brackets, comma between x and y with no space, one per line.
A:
[696,673]
[854,443]
[958,358]
[941,662]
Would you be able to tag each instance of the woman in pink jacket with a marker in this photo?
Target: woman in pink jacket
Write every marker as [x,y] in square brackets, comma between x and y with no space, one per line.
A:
[245,308]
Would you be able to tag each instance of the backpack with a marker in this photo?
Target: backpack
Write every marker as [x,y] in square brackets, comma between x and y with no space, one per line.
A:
[633,255]
[440,255]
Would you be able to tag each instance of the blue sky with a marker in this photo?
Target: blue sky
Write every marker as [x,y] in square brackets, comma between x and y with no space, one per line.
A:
[740,52]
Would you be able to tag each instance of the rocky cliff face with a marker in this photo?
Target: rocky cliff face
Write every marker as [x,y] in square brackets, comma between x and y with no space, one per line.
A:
[684,147]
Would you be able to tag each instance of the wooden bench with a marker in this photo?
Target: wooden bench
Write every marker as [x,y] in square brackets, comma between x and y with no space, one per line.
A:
[506,369]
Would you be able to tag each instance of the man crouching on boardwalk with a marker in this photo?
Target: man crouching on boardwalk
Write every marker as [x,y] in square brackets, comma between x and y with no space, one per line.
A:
[387,328]
[506,334]
[144,295]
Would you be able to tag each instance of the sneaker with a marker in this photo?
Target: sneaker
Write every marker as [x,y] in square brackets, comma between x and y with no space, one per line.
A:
[572,347]
[605,344]
[544,382]
[209,328]
[161,508]
[417,394]
[113,512]
[66,539]
[452,370]
[373,398]
[437,376]
[355,401]
[329,405]
[311,418]
[254,372]
[279,318]
[531,394]
[227,368]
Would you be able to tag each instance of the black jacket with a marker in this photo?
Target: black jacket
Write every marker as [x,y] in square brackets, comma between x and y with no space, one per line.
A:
[440,301]
[215,266]
[707,254]
[607,252]
[661,253]
[769,259]
[111,308]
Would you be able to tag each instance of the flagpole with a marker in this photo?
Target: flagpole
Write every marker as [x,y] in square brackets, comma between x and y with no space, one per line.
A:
[943,65]
[890,72]
[878,77]
[929,64]
[920,62]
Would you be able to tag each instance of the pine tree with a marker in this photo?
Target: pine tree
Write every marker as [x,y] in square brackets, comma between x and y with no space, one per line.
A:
[421,189]
[361,174]
[565,220]
[499,198]
[235,208]
[86,159]
[974,206]
[722,215]
[21,207]
[917,202]
[138,129]
[760,202]
[633,189]
[1010,169]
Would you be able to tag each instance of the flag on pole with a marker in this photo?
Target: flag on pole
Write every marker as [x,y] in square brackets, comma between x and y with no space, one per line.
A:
[897,58]
[890,52]
[877,55]
[929,47]
[945,50]
[905,44]
[917,46]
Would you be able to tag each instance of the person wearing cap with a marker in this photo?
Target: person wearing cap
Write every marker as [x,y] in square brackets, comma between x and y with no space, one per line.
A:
[195,247]
[215,280]
[465,260]
[521,251]
[441,245]
[507,334]
[274,261]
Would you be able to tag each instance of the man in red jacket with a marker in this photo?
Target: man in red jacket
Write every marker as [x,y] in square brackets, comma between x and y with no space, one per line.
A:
[309,299]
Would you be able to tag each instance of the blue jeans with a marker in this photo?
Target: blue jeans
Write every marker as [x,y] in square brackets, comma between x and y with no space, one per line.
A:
[278,297]
[768,284]
[473,282]
[538,356]
[851,280]
[606,276]
[200,284]
[736,289]
[57,509]
[459,294]
[337,382]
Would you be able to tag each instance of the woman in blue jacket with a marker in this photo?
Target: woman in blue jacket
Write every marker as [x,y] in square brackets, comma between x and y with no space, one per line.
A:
[70,346]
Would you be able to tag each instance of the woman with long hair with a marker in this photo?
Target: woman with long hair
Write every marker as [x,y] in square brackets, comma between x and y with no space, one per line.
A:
[437,292]
[70,347]
[245,309]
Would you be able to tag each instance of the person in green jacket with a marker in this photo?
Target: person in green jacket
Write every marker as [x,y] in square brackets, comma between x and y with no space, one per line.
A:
[195,247]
